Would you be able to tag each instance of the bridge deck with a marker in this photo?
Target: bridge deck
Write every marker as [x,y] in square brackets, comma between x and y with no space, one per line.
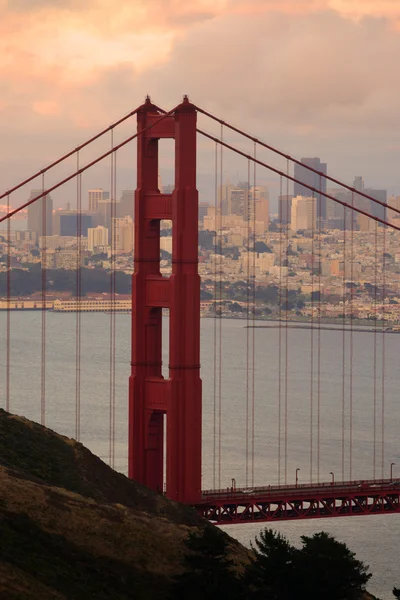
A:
[304,501]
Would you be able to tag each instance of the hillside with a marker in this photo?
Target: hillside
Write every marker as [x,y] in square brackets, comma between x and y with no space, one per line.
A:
[71,527]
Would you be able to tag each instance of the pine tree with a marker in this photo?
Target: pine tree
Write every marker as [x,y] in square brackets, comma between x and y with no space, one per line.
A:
[210,573]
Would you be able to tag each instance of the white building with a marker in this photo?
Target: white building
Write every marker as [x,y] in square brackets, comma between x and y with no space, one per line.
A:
[122,235]
[97,236]
[304,213]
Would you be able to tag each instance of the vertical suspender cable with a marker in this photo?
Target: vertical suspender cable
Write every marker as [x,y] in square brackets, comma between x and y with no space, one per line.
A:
[383,353]
[114,200]
[313,218]
[351,343]
[286,339]
[112,308]
[280,329]
[78,301]
[248,218]
[8,326]
[375,349]
[253,381]
[344,344]
[319,231]
[43,345]
[220,313]
[215,320]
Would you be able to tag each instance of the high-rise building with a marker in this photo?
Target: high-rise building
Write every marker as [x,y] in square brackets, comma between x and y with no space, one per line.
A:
[66,222]
[393,216]
[122,235]
[94,198]
[259,202]
[369,206]
[285,209]
[309,178]
[126,206]
[39,220]
[304,213]
[97,237]
[203,208]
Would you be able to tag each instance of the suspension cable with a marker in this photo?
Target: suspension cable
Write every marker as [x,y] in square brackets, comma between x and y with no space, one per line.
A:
[44,274]
[319,231]
[8,325]
[280,330]
[87,166]
[215,319]
[220,314]
[248,218]
[294,160]
[286,337]
[253,366]
[112,304]
[375,350]
[351,343]
[69,154]
[383,353]
[344,347]
[78,337]
[293,179]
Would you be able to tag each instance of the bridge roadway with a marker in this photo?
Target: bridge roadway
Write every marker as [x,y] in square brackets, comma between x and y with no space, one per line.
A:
[303,501]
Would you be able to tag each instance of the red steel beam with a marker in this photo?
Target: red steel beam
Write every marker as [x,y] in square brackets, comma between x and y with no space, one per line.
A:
[305,502]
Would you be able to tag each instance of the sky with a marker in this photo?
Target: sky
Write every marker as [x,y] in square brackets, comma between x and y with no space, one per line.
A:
[313,77]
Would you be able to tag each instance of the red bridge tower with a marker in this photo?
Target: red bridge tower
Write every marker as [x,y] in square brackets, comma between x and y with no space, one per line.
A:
[150,395]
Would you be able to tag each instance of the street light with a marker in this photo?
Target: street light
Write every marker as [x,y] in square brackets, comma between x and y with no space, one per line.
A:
[297,475]
[391,470]
[333,477]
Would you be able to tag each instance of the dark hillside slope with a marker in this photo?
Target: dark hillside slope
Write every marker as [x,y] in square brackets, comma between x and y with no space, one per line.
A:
[40,453]
[70,527]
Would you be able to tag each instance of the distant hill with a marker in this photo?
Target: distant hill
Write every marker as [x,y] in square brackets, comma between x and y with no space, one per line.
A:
[71,527]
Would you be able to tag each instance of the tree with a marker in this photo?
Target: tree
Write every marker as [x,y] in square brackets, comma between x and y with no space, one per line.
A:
[271,574]
[322,568]
[210,573]
[329,570]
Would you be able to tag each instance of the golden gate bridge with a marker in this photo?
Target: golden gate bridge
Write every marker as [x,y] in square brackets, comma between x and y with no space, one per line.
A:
[165,413]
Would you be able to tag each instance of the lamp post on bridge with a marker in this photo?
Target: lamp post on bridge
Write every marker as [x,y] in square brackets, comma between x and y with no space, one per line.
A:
[333,477]
[297,476]
[391,470]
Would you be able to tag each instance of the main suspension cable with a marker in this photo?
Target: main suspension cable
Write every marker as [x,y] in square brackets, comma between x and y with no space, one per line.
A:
[294,180]
[294,160]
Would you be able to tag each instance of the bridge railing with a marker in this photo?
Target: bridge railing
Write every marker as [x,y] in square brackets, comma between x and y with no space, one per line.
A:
[279,489]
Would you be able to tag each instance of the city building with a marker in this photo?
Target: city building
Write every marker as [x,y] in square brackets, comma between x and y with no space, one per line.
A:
[259,203]
[304,213]
[95,196]
[126,205]
[309,178]
[369,206]
[122,236]
[203,208]
[40,214]
[97,237]
[285,209]
[65,222]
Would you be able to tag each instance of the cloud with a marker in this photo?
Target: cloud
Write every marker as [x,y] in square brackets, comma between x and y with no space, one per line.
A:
[314,76]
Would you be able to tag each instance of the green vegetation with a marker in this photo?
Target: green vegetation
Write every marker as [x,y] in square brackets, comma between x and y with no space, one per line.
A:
[25,283]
